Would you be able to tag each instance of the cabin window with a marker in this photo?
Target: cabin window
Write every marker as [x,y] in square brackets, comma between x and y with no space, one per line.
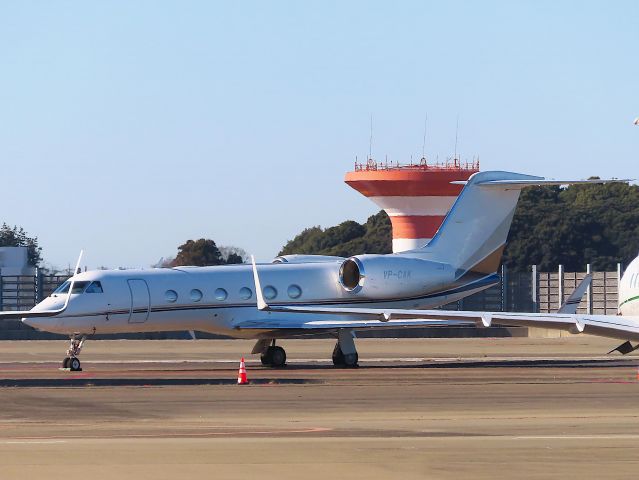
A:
[95,287]
[294,291]
[220,294]
[245,293]
[270,292]
[196,295]
[171,296]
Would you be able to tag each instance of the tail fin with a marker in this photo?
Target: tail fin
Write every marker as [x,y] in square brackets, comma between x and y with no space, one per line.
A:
[473,234]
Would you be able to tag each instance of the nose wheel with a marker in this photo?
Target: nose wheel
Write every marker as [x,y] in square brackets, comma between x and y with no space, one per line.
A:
[71,361]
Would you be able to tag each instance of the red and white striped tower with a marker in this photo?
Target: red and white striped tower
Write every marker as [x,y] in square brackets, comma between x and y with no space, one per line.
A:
[416,197]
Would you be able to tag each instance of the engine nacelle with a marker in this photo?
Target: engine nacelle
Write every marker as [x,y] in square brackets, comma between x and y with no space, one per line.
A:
[388,276]
[307,259]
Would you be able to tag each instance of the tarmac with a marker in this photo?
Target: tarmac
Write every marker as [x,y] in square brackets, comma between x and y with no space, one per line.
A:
[416,408]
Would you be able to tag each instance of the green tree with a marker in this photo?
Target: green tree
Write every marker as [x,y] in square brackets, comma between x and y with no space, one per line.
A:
[204,252]
[17,237]
[580,224]
[346,239]
[596,224]
[234,259]
[233,255]
[201,253]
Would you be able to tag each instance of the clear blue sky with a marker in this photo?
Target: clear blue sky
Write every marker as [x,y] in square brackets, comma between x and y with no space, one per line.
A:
[128,127]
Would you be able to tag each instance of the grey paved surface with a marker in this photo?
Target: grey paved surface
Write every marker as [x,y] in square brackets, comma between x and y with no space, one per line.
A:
[471,408]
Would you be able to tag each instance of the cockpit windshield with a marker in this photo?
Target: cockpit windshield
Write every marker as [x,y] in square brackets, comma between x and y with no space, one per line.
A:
[95,287]
[79,287]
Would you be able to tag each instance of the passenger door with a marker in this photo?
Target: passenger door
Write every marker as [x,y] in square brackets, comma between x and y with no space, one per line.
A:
[140,301]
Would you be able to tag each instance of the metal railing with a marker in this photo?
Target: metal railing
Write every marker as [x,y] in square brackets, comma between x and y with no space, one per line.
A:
[550,289]
[23,292]
[453,164]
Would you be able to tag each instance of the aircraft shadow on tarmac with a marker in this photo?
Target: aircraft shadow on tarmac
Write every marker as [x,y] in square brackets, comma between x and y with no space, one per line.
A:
[142,382]
[501,363]
[89,381]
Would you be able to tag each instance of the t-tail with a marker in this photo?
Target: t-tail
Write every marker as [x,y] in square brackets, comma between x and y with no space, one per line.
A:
[473,235]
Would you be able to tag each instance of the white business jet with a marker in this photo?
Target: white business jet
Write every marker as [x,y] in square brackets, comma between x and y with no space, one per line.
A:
[305,295]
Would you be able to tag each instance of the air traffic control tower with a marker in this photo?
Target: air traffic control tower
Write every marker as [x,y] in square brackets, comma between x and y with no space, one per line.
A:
[416,197]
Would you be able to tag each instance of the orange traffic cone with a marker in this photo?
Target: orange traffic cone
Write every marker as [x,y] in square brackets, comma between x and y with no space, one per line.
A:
[241,375]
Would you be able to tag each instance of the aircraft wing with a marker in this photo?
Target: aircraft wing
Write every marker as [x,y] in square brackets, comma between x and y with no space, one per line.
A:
[626,328]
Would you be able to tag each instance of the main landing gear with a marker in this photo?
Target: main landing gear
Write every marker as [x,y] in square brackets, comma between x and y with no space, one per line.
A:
[271,355]
[72,362]
[344,353]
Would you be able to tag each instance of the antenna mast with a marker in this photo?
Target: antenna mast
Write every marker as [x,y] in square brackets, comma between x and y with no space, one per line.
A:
[370,141]
[456,132]
[424,142]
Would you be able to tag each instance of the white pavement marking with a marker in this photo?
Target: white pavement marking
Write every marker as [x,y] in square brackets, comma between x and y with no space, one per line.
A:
[30,442]
[620,436]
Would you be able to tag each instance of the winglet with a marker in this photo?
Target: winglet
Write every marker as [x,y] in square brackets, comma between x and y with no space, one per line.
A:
[44,313]
[75,272]
[572,302]
[261,303]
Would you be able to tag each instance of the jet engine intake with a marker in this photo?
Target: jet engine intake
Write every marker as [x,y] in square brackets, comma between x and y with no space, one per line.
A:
[386,277]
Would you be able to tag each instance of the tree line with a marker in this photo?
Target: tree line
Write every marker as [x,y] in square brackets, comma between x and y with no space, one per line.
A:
[572,226]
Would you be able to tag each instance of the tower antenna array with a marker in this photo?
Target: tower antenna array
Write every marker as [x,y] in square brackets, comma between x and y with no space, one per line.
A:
[456,134]
[424,141]
[370,141]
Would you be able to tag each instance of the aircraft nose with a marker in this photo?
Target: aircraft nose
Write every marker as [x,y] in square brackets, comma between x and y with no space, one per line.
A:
[36,322]
[44,323]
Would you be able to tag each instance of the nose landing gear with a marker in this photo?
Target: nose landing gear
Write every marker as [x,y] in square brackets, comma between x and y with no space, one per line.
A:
[71,361]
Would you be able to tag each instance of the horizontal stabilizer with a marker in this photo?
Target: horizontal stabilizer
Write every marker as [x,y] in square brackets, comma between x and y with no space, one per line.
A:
[543,182]
[546,183]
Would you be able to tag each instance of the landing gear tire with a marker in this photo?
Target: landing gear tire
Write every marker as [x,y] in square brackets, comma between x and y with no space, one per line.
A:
[265,359]
[74,364]
[338,356]
[344,361]
[350,360]
[274,357]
